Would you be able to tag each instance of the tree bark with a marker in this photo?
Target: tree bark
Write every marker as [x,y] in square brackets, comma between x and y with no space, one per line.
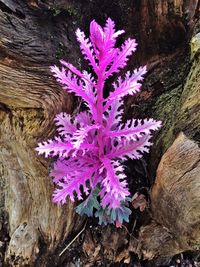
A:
[34,35]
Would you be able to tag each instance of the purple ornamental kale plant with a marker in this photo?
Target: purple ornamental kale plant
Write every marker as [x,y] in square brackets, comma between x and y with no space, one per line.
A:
[91,147]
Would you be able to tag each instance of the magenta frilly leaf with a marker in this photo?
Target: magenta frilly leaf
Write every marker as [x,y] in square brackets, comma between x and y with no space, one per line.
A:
[114,184]
[92,144]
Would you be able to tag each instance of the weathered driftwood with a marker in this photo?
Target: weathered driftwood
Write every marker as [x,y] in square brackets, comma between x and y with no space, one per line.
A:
[33,34]
[175,203]
[30,99]
[175,194]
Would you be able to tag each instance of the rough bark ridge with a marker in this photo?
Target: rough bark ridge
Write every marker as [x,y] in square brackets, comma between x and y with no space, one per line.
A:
[33,35]
[30,99]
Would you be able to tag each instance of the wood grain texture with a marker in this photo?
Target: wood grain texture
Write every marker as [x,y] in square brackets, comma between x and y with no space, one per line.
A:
[175,203]
[30,98]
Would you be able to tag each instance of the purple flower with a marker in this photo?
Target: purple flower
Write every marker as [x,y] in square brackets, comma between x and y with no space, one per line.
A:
[91,146]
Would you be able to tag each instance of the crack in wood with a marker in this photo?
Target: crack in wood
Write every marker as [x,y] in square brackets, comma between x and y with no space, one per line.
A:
[7,7]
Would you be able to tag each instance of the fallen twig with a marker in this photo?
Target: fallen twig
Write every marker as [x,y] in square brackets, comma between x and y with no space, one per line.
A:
[70,243]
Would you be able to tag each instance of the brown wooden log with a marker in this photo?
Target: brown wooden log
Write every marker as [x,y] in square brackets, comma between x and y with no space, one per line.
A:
[175,203]
[175,193]
[35,34]
[30,99]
